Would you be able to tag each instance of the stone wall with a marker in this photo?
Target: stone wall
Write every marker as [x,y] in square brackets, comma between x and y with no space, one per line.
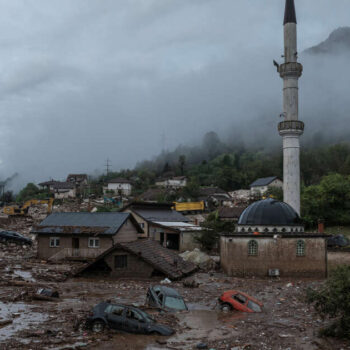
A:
[273,253]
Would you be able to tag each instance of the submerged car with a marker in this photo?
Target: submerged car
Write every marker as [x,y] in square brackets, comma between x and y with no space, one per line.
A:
[234,299]
[165,298]
[124,318]
[11,236]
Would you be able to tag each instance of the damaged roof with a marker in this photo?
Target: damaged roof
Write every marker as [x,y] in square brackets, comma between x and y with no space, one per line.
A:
[84,222]
[164,215]
[161,259]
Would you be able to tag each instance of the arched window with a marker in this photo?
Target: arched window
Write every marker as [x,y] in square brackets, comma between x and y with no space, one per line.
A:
[250,230]
[300,248]
[283,230]
[252,248]
[266,230]
[275,230]
[243,230]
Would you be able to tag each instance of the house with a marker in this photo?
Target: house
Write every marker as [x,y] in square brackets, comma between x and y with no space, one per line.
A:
[175,182]
[269,240]
[162,223]
[139,259]
[83,235]
[241,197]
[230,213]
[260,186]
[61,190]
[153,195]
[214,197]
[119,186]
[78,179]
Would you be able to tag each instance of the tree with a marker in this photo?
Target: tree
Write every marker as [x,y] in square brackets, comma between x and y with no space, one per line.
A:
[329,201]
[333,301]
[213,226]
[182,162]
[274,192]
[29,192]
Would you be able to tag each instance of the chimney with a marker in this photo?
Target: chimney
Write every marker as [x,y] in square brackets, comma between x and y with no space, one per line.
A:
[320,226]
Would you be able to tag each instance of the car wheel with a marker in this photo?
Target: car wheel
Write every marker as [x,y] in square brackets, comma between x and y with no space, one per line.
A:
[225,307]
[98,326]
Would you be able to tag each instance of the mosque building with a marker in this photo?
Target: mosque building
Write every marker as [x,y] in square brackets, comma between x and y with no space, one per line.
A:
[269,239]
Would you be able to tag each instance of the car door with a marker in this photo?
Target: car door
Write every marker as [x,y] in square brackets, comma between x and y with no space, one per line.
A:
[133,321]
[115,315]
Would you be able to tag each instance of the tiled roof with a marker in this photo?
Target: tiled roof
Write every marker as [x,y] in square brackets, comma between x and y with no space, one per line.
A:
[162,259]
[160,215]
[263,181]
[230,213]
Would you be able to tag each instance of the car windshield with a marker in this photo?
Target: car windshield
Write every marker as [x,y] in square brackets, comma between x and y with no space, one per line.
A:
[174,303]
[253,306]
[146,316]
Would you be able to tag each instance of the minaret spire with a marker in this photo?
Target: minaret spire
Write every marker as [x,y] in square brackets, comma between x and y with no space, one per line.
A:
[291,128]
[289,13]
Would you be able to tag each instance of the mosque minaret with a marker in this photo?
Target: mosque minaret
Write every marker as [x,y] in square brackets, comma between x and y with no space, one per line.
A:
[290,128]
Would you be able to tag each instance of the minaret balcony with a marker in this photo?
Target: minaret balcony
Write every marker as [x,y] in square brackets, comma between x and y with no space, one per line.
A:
[291,127]
[290,69]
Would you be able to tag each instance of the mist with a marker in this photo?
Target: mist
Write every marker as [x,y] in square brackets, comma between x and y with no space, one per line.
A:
[86,80]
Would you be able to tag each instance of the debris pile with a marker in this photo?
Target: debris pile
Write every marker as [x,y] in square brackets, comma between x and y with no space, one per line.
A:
[199,258]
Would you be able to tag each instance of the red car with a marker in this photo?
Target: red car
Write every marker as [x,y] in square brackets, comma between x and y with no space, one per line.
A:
[234,299]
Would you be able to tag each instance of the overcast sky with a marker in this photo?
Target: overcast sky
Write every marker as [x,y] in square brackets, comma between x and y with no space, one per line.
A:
[83,80]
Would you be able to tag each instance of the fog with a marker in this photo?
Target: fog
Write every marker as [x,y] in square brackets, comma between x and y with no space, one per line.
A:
[84,80]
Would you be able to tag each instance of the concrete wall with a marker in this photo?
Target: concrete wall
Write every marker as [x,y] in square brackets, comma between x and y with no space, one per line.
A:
[136,267]
[273,253]
[127,233]
[187,241]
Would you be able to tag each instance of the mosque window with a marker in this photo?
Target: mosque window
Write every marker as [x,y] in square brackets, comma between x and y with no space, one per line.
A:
[253,248]
[300,248]
[275,230]
[243,230]
[283,229]
[250,229]
[266,230]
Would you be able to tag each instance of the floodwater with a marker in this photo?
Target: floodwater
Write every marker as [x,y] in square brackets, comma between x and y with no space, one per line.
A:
[22,317]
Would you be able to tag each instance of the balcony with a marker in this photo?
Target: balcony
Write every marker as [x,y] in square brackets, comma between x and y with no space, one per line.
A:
[291,69]
[291,126]
[76,254]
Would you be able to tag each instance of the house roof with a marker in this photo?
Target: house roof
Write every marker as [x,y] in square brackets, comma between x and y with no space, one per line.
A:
[76,177]
[179,226]
[162,259]
[119,180]
[63,185]
[230,213]
[84,222]
[47,183]
[163,215]
[263,181]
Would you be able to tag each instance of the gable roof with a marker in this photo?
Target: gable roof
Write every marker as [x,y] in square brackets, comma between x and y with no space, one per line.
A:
[58,184]
[84,222]
[76,177]
[263,181]
[162,259]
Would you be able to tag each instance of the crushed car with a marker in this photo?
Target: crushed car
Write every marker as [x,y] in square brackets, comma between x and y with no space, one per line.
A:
[165,298]
[236,300]
[337,241]
[124,318]
[14,237]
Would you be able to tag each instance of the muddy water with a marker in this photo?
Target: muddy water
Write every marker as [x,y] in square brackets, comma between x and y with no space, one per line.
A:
[22,317]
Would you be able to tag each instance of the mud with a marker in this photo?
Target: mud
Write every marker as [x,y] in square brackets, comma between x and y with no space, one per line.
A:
[286,322]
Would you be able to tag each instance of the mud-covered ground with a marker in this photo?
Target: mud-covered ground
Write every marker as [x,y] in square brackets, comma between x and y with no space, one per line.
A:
[287,322]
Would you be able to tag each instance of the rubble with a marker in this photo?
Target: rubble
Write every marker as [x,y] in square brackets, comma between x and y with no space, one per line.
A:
[199,258]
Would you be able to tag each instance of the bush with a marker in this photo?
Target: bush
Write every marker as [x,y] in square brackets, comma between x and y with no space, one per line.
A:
[333,301]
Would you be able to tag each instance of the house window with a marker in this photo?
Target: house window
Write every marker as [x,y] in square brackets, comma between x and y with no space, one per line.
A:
[54,242]
[142,225]
[253,248]
[121,261]
[300,248]
[94,243]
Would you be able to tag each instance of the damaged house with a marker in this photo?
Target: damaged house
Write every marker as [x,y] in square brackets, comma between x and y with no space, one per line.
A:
[139,259]
[83,235]
[163,224]
[60,190]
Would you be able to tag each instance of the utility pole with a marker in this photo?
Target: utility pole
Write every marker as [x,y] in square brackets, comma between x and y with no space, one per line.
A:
[108,165]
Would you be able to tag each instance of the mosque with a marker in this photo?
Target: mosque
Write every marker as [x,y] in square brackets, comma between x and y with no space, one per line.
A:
[269,239]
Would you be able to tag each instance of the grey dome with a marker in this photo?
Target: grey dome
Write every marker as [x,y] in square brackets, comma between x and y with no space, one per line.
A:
[269,212]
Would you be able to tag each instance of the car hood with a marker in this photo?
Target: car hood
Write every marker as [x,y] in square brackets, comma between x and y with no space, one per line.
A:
[164,330]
